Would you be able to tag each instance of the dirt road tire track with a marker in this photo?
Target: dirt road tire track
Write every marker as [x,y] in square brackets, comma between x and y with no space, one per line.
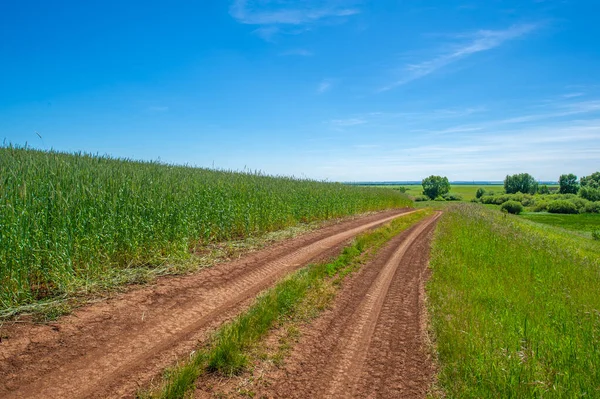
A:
[371,344]
[111,348]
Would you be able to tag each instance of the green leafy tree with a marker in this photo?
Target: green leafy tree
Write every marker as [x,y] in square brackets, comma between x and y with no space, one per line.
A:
[592,181]
[435,186]
[590,187]
[522,182]
[544,189]
[568,184]
[480,192]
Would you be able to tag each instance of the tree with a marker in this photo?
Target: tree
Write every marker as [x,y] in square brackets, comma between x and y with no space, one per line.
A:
[544,189]
[590,187]
[480,192]
[568,184]
[523,182]
[434,186]
[592,181]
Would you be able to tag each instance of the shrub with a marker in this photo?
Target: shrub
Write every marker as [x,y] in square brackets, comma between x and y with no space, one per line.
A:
[419,198]
[513,207]
[544,190]
[527,200]
[439,198]
[580,204]
[480,192]
[540,206]
[592,207]
[589,193]
[452,197]
[596,234]
[562,206]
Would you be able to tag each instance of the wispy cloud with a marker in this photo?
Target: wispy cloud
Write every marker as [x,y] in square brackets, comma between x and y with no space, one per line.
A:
[324,86]
[347,122]
[274,15]
[571,95]
[298,51]
[473,43]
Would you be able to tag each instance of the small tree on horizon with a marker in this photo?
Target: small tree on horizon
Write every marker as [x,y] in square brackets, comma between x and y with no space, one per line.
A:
[522,182]
[434,186]
[568,184]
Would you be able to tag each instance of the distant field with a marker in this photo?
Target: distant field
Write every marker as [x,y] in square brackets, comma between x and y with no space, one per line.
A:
[70,221]
[583,222]
[467,190]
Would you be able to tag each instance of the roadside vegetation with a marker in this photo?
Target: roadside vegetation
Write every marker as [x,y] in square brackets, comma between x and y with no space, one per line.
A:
[228,352]
[71,222]
[515,307]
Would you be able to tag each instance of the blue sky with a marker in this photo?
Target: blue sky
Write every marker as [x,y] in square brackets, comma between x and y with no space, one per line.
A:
[333,89]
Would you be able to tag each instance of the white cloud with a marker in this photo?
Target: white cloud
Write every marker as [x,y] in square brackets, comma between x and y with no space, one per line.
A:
[571,95]
[286,12]
[324,86]
[274,15]
[477,42]
[299,51]
[347,122]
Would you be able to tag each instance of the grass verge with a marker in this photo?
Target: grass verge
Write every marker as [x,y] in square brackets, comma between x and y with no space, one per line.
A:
[515,308]
[227,353]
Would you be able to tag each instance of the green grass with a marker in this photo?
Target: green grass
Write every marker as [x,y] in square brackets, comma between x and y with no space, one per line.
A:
[466,190]
[515,307]
[69,221]
[227,354]
[583,222]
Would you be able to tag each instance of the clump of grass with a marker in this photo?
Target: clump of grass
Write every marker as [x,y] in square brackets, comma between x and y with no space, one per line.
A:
[73,220]
[227,354]
[515,308]
[596,234]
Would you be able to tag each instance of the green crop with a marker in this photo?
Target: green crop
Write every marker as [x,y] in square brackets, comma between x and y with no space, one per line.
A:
[67,220]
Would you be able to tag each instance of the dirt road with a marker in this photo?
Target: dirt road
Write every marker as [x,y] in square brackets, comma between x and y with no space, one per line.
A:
[372,342]
[111,348]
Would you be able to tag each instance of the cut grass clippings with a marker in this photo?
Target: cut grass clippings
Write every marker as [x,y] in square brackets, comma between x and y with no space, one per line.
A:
[227,353]
[515,308]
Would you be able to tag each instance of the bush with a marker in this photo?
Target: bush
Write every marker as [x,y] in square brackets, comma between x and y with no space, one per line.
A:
[452,197]
[527,200]
[480,192]
[439,198]
[596,234]
[419,198]
[562,206]
[592,207]
[589,193]
[580,204]
[540,206]
[544,190]
[513,207]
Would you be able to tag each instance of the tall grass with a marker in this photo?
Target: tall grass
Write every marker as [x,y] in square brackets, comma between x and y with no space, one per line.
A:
[70,219]
[515,308]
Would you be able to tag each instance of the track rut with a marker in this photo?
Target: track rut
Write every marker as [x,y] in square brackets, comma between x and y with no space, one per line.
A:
[111,348]
[372,343]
